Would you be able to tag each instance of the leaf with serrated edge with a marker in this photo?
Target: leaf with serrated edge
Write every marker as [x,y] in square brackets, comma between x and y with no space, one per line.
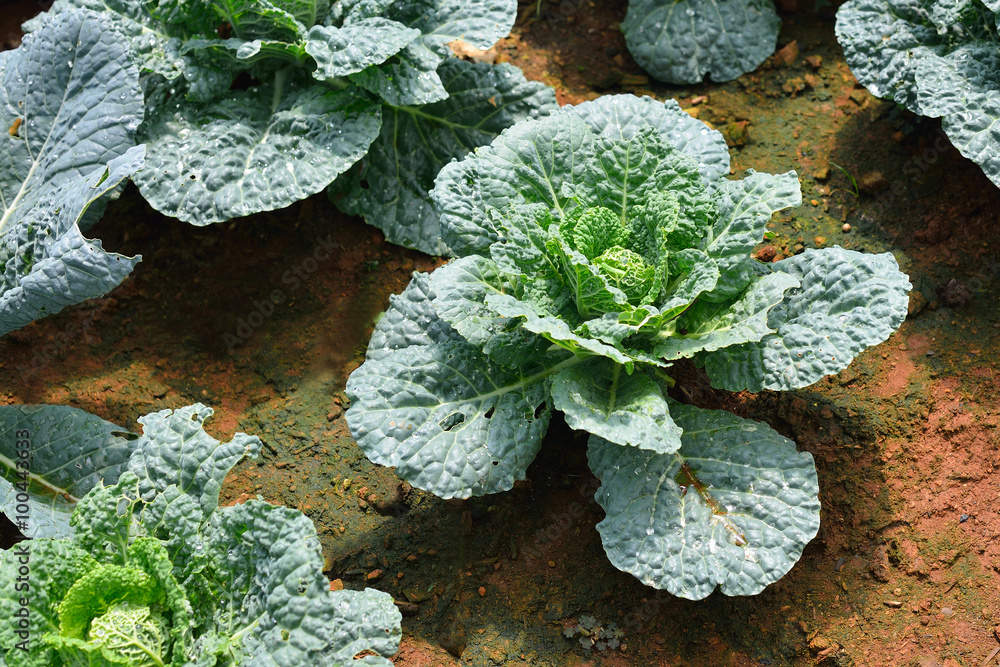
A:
[621,116]
[237,156]
[460,289]
[410,320]
[70,451]
[392,187]
[599,397]
[733,508]
[680,41]
[847,301]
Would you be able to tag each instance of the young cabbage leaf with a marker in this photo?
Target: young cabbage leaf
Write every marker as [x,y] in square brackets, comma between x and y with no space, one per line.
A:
[938,59]
[598,245]
[156,573]
[680,41]
[70,102]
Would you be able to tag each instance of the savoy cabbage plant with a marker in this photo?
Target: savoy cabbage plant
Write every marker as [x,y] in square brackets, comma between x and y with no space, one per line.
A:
[596,247]
[938,59]
[155,573]
[680,41]
[252,105]
[70,102]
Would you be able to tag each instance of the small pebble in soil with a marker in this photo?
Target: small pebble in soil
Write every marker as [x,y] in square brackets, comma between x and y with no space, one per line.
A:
[482,591]
[552,563]
[374,574]
[846,228]
[963,518]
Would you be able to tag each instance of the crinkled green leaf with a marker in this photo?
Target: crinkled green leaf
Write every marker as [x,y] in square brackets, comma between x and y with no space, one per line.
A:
[352,48]
[224,57]
[155,37]
[745,208]
[622,116]
[680,41]
[599,397]
[391,188]
[884,41]
[449,419]
[480,23]
[269,561]
[48,263]
[733,508]
[408,78]
[553,328]
[71,102]
[64,563]
[460,288]
[410,320]
[963,89]
[939,59]
[259,19]
[237,156]
[307,12]
[70,452]
[175,458]
[537,161]
[847,301]
[712,325]
[441,411]
[645,164]
[693,273]
[592,292]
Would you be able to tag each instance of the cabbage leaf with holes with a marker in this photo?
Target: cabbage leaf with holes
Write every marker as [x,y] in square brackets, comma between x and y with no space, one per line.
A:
[70,105]
[938,59]
[155,573]
[595,247]
[254,105]
[682,41]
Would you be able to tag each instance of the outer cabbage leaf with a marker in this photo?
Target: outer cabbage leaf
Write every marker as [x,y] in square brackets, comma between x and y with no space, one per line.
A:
[154,36]
[439,410]
[175,458]
[391,188]
[745,207]
[847,301]
[680,41]
[71,452]
[963,89]
[733,508]
[352,48]
[71,103]
[268,560]
[48,263]
[461,287]
[598,397]
[240,155]
[938,59]
[411,77]
[622,116]
[409,320]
